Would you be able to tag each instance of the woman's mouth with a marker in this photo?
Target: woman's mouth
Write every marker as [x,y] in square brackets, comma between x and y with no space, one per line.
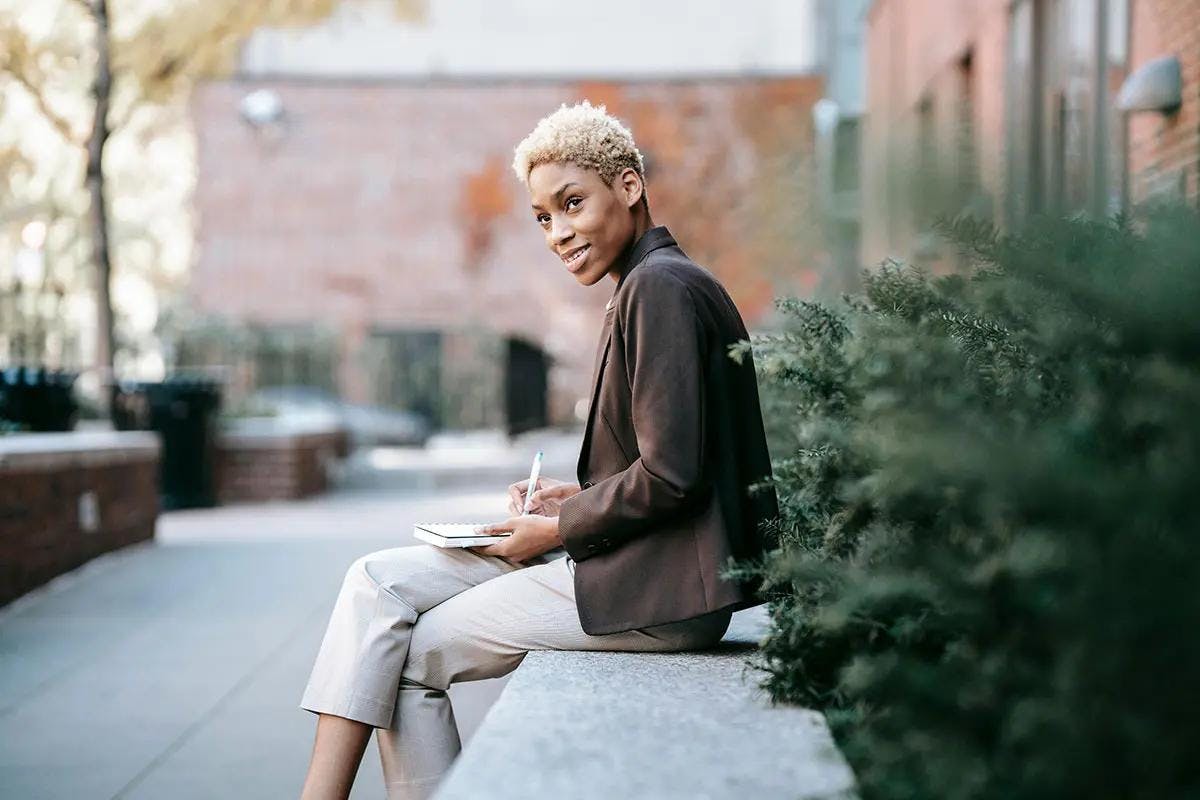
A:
[575,260]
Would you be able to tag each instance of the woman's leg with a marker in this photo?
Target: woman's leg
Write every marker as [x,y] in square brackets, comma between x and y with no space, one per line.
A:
[337,752]
[485,632]
[356,673]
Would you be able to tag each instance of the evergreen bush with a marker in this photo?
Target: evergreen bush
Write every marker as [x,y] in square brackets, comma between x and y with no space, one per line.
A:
[987,570]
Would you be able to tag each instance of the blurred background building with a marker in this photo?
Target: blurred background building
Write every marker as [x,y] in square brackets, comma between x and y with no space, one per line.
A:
[337,210]
[1007,109]
[360,228]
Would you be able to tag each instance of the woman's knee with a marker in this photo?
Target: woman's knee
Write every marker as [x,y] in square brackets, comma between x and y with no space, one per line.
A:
[381,568]
[444,650]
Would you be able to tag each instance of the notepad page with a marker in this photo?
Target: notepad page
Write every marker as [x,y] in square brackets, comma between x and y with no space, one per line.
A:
[452,530]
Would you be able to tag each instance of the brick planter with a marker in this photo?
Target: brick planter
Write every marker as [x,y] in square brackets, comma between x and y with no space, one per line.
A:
[261,460]
[66,498]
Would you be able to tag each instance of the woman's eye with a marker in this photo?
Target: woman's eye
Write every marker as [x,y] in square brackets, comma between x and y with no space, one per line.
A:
[543,219]
[574,200]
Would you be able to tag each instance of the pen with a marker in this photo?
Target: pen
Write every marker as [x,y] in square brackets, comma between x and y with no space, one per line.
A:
[533,476]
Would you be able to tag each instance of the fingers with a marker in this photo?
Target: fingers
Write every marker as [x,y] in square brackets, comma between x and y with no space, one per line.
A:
[494,550]
[516,497]
[548,493]
[500,527]
[544,489]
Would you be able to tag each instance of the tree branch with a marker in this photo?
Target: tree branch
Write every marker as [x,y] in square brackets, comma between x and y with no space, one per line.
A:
[53,117]
[131,108]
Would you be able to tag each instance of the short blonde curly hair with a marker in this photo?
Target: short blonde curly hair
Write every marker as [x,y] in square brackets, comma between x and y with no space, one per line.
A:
[582,134]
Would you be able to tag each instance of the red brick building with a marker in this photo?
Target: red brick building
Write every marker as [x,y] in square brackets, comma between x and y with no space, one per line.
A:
[377,229]
[1164,150]
[1008,108]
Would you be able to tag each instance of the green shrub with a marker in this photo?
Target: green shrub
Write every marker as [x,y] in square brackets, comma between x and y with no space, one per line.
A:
[987,570]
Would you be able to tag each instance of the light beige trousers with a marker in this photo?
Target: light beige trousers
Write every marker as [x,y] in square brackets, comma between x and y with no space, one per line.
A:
[409,621]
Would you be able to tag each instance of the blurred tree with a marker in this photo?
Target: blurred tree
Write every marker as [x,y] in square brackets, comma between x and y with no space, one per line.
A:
[94,71]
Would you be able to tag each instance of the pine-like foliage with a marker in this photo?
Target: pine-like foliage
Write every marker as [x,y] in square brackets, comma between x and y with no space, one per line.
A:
[988,571]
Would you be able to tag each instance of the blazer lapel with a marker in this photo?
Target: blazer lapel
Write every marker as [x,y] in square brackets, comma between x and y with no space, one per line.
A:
[597,368]
[651,240]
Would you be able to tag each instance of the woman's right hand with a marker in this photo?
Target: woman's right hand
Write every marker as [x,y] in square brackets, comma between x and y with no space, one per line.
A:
[547,498]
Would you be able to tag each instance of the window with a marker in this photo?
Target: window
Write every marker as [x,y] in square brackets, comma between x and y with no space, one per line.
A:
[1113,182]
[293,356]
[1023,117]
[1065,141]
[406,370]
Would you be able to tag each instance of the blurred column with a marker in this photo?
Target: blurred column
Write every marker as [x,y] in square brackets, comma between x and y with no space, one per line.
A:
[352,380]
[837,121]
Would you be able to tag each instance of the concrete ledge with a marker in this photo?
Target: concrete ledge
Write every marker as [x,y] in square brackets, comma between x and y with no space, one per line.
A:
[648,725]
[49,451]
[269,432]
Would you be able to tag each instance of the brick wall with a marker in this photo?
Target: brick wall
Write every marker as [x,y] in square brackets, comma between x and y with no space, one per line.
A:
[914,48]
[392,205]
[1164,151]
[277,467]
[45,529]
[915,54]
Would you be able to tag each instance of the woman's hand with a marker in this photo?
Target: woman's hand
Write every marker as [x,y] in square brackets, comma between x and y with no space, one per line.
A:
[547,496]
[532,535]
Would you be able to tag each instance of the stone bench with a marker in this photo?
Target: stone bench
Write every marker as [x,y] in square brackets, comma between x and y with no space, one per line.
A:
[648,725]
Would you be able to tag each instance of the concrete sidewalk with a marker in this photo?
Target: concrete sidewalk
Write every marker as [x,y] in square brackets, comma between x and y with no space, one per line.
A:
[174,668]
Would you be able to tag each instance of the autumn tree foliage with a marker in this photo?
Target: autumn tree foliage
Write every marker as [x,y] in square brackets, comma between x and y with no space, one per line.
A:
[80,78]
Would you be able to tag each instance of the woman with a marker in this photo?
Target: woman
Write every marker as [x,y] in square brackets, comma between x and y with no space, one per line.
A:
[673,440]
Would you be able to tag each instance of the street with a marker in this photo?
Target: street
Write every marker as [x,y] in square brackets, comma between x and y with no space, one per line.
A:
[174,668]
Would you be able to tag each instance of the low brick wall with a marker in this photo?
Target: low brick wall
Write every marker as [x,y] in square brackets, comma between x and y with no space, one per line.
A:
[260,461]
[66,498]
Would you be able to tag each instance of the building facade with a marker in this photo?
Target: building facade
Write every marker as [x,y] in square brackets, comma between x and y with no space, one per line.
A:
[1007,108]
[359,215]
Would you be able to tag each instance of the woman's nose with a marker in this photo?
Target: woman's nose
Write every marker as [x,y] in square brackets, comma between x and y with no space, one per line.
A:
[560,232]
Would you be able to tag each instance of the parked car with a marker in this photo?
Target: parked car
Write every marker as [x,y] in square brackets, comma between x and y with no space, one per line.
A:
[368,425]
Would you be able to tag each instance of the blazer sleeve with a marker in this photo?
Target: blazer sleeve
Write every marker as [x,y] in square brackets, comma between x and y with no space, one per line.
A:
[664,345]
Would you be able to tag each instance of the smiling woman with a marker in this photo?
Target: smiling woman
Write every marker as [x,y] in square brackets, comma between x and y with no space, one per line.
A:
[673,441]
[586,180]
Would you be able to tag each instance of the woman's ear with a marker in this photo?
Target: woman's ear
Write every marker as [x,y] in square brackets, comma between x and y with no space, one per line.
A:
[632,186]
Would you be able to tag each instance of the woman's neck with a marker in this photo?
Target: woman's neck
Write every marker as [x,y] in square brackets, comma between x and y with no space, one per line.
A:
[641,224]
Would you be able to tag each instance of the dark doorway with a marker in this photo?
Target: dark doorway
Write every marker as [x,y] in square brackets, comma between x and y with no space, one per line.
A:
[525,387]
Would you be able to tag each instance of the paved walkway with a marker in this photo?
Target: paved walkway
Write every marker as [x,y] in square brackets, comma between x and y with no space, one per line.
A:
[174,668]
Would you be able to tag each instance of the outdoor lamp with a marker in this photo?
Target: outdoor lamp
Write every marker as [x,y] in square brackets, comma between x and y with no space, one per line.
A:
[263,110]
[1155,86]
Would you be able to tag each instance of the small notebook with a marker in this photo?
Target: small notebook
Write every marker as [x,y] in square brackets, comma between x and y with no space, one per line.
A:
[456,534]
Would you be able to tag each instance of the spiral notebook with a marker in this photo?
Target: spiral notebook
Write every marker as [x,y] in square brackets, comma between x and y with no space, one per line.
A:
[456,534]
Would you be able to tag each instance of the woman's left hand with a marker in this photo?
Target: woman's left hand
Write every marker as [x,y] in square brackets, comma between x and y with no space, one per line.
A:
[532,535]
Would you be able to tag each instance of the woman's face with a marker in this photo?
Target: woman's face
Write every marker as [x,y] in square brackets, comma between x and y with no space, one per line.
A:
[587,223]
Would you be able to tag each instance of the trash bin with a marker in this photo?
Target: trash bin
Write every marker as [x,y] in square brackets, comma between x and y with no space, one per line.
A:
[38,399]
[182,410]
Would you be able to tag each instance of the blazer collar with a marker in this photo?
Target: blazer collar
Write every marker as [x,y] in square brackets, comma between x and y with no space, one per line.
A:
[651,240]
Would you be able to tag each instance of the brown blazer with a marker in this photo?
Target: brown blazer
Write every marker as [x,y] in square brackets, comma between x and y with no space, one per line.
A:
[674,436]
